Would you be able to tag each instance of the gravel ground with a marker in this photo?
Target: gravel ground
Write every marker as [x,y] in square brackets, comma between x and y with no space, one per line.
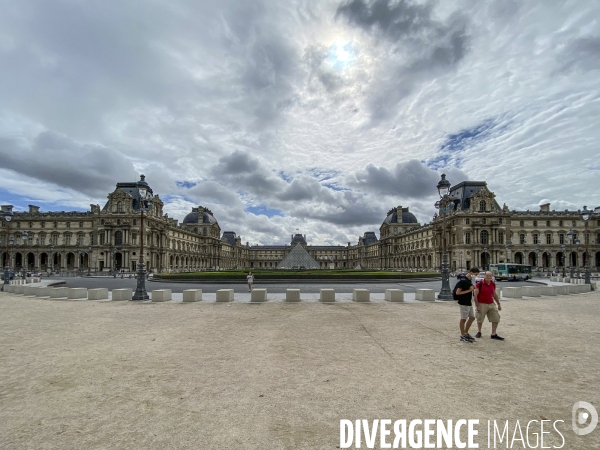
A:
[127,375]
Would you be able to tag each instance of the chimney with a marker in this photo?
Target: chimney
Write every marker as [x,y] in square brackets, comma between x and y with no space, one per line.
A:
[545,207]
[34,209]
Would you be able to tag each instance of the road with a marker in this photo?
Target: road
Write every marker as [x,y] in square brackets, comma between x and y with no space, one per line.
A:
[275,288]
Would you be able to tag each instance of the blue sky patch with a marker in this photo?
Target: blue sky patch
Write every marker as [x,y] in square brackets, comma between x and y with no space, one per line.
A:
[185,184]
[263,210]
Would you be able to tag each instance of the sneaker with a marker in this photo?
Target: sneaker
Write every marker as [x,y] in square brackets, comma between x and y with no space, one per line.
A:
[467,335]
[478,335]
[495,336]
[466,339]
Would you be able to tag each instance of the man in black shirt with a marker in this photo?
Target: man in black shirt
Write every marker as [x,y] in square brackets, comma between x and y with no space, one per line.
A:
[464,292]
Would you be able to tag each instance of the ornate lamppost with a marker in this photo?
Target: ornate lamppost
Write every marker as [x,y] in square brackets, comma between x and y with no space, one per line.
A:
[564,254]
[586,215]
[7,216]
[444,205]
[141,204]
[537,260]
[485,258]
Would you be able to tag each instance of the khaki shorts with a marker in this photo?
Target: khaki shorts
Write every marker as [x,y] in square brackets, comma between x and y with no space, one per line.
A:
[488,310]
[466,311]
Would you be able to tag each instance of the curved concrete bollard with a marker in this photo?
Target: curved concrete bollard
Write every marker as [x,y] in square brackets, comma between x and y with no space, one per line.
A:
[30,291]
[394,295]
[511,292]
[77,293]
[548,290]
[573,289]
[59,292]
[43,291]
[563,289]
[531,291]
[20,289]
[98,294]
[361,295]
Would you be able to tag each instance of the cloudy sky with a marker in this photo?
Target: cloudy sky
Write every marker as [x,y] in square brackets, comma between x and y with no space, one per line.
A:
[309,115]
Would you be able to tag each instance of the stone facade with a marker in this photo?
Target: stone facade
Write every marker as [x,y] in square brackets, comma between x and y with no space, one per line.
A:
[478,232]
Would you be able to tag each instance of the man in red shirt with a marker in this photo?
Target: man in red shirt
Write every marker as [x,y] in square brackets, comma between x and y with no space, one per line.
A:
[485,296]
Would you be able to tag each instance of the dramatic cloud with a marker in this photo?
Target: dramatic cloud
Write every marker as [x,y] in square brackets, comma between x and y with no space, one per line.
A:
[308,114]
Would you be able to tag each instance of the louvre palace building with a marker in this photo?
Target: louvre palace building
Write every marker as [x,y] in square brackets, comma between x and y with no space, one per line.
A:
[478,232]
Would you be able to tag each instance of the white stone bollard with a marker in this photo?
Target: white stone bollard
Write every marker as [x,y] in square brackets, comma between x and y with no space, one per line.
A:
[224,295]
[258,295]
[292,295]
[161,295]
[511,292]
[122,294]
[530,291]
[425,295]
[394,295]
[59,292]
[192,295]
[361,295]
[77,293]
[98,294]
[548,290]
[327,295]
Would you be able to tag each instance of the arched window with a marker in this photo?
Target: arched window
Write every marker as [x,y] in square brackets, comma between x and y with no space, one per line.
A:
[118,237]
[135,221]
[482,205]
[119,207]
[483,237]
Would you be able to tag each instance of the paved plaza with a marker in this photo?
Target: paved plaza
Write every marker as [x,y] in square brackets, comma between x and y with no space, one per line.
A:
[275,375]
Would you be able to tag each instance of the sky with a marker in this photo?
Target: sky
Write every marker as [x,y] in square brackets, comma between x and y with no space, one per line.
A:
[299,116]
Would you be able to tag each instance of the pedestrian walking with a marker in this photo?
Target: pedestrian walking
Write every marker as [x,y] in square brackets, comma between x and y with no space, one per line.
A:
[250,280]
[463,293]
[485,296]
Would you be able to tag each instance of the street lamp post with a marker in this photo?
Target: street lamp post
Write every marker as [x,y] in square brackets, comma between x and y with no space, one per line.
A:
[571,240]
[586,215]
[485,258]
[143,203]
[89,259]
[24,237]
[7,216]
[444,205]
[564,254]
[537,260]
[461,259]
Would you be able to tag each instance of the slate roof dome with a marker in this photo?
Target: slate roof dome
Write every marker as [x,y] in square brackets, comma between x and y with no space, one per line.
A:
[407,217]
[194,216]
[298,238]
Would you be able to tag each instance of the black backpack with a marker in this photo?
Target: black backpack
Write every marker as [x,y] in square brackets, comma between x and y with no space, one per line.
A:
[454,295]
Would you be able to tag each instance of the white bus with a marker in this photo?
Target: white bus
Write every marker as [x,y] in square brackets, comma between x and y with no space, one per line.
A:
[509,271]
